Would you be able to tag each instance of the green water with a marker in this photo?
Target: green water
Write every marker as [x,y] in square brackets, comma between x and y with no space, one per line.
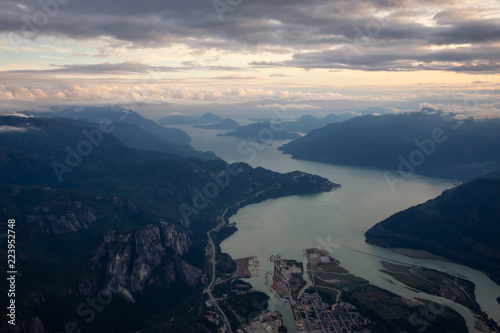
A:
[335,221]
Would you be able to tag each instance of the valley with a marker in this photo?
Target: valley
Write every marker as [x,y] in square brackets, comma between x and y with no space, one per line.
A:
[344,234]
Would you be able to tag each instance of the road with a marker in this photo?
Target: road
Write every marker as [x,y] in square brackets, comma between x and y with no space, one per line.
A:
[210,287]
[211,245]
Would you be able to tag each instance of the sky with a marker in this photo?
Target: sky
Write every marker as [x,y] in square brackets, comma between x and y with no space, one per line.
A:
[314,56]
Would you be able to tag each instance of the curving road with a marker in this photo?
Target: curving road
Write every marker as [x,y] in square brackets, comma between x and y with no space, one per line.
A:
[212,253]
[210,287]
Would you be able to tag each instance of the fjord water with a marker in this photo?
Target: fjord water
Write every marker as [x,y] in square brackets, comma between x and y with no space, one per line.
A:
[335,221]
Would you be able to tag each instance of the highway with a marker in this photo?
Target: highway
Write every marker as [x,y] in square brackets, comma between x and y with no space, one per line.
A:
[210,287]
[212,252]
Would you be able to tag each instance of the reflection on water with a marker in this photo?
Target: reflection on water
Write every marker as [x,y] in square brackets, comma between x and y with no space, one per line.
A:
[335,221]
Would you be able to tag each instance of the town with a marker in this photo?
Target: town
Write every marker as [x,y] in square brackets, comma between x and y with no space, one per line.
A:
[311,313]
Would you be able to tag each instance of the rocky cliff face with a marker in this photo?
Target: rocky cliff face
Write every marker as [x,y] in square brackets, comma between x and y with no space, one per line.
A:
[62,216]
[54,212]
[97,227]
[130,261]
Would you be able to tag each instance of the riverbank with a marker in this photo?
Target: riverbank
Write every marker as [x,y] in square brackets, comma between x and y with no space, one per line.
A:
[386,310]
[335,219]
[284,185]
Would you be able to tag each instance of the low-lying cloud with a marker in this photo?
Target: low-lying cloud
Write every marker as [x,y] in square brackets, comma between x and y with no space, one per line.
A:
[289,107]
[476,111]
[12,129]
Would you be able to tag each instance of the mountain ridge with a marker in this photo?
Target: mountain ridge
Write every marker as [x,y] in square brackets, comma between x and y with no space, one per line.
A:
[263,132]
[226,124]
[113,226]
[116,114]
[462,224]
[426,143]
[206,118]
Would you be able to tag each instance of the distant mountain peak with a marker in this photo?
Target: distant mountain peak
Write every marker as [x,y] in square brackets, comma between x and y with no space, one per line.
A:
[306,117]
[118,115]
[190,120]
[226,124]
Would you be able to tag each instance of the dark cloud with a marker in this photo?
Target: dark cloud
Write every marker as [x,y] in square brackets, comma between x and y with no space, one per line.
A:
[123,68]
[309,29]
[377,58]
[108,68]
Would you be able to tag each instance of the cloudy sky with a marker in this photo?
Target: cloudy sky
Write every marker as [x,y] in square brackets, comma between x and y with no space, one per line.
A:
[311,55]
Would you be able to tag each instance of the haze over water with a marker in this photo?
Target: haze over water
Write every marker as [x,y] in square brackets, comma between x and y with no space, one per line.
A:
[336,221]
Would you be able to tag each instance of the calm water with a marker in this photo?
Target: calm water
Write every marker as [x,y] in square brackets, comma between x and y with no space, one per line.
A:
[335,221]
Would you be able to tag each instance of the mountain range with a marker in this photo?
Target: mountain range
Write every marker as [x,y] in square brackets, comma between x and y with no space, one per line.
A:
[428,142]
[307,123]
[226,124]
[130,128]
[263,132]
[207,118]
[96,219]
[116,114]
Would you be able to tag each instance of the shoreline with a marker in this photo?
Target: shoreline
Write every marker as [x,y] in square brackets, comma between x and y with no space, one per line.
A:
[419,254]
